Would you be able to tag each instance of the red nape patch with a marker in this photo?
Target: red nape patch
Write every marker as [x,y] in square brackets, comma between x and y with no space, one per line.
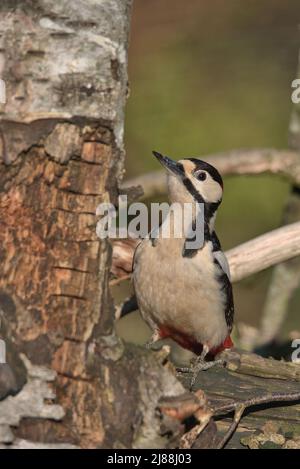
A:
[189,343]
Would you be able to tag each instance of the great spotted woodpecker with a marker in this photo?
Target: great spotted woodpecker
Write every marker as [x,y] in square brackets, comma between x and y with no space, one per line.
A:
[187,294]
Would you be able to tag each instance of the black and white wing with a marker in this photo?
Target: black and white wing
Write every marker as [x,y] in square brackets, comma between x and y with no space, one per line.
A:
[224,279]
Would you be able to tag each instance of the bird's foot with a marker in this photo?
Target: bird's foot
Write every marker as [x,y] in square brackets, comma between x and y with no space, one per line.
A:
[153,339]
[196,366]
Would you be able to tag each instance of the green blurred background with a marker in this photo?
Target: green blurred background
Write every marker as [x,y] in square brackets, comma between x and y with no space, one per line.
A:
[208,76]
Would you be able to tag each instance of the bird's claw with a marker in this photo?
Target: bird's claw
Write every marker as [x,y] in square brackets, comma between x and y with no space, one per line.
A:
[195,368]
[149,344]
[153,339]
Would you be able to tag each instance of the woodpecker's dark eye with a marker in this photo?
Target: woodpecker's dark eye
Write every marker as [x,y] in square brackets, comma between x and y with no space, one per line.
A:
[201,176]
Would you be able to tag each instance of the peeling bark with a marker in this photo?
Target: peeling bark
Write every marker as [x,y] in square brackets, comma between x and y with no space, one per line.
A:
[65,67]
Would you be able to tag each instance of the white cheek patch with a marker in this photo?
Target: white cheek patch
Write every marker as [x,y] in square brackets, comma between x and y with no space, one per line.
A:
[210,189]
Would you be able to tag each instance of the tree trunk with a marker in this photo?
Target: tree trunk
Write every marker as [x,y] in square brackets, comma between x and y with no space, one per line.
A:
[65,68]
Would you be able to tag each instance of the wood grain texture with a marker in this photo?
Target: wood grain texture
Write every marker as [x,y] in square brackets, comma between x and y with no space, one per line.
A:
[247,376]
[65,67]
[65,64]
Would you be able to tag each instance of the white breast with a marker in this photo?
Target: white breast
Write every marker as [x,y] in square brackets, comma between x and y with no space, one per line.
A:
[182,293]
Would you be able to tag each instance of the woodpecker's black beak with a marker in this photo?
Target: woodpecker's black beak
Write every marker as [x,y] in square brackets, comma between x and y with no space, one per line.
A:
[170,165]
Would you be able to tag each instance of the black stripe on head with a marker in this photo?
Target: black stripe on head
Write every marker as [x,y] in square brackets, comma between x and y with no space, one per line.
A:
[200,164]
[190,187]
[209,211]
[209,207]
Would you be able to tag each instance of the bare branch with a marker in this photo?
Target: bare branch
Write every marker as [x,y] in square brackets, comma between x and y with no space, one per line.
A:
[285,277]
[250,364]
[240,407]
[264,251]
[244,260]
[180,407]
[116,281]
[122,256]
[239,410]
[242,161]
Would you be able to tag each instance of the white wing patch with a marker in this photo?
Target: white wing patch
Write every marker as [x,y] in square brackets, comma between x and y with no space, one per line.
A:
[221,258]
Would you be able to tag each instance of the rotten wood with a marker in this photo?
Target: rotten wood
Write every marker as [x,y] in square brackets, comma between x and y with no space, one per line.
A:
[240,407]
[65,68]
[62,153]
[260,386]
[32,402]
